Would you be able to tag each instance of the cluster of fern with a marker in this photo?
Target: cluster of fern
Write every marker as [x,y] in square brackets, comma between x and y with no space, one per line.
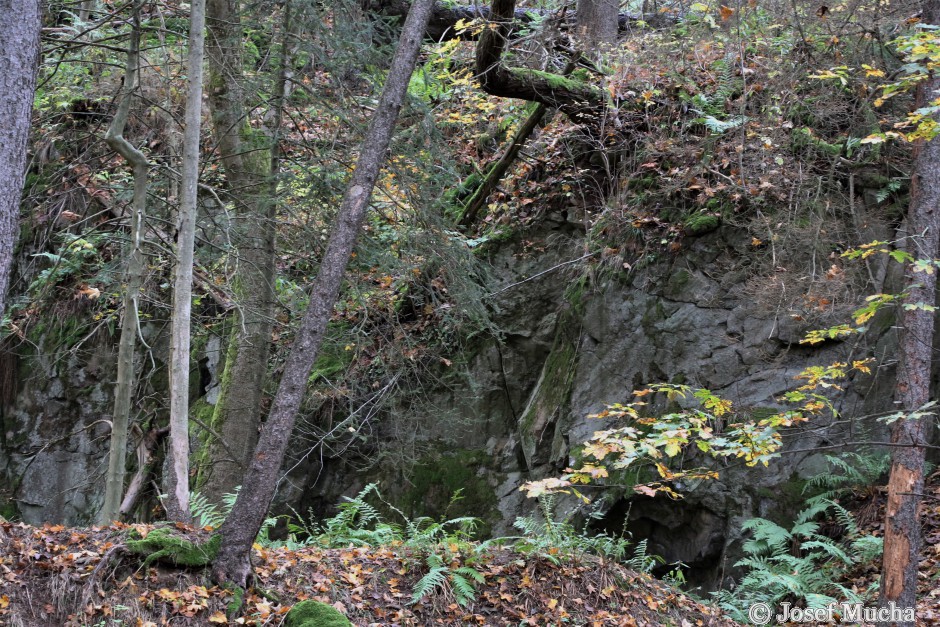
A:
[445,548]
[801,564]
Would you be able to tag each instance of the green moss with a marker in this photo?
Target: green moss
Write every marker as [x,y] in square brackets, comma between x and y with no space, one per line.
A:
[162,544]
[803,139]
[436,478]
[333,358]
[701,223]
[548,404]
[315,614]
[678,280]
[202,413]
[577,292]
[8,510]
[555,81]
[238,598]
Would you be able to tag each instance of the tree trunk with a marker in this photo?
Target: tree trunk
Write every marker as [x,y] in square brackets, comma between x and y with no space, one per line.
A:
[583,103]
[177,502]
[233,563]
[134,273]
[19,41]
[902,541]
[85,10]
[246,157]
[597,24]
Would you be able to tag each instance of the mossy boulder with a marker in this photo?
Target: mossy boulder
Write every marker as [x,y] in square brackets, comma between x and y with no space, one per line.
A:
[163,545]
[701,223]
[315,614]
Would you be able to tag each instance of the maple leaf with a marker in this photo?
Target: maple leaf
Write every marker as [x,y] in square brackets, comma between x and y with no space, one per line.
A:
[218,618]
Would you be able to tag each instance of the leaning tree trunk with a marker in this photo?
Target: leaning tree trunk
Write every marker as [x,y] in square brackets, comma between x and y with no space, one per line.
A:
[246,156]
[177,502]
[19,41]
[902,540]
[134,273]
[477,200]
[233,565]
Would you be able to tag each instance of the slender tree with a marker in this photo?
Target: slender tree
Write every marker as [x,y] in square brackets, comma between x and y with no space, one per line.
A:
[134,277]
[902,539]
[177,502]
[247,159]
[233,565]
[19,41]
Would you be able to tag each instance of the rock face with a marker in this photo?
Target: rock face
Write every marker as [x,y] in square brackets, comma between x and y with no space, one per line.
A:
[704,317]
[576,333]
[55,428]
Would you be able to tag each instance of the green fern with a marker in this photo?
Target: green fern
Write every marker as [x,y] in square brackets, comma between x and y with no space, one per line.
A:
[560,541]
[799,564]
[848,472]
[434,579]
[204,513]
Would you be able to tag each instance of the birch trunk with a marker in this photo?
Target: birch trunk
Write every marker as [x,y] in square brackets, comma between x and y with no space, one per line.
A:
[177,502]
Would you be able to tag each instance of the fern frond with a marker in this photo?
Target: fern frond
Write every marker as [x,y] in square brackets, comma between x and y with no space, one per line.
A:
[472,573]
[464,591]
[830,548]
[436,578]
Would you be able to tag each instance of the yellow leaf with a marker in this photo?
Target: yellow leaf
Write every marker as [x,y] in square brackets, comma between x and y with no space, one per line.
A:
[218,618]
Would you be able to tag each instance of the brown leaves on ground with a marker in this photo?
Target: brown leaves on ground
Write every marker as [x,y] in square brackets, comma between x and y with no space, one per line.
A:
[54,575]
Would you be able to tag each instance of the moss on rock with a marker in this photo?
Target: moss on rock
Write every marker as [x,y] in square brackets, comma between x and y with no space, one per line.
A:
[315,614]
[701,223]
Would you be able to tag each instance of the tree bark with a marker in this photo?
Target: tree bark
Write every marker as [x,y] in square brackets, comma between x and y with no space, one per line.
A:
[134,278]
[233,564]
[19,41]
[902,541]
[177,502]
[582,103]
[246,156]
[597,24]
[85,9]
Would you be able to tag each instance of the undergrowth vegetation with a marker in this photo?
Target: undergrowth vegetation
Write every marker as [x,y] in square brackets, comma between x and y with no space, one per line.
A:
[444,549]
[807,562]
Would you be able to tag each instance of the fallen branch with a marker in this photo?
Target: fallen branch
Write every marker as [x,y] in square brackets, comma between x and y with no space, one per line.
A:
[145,450]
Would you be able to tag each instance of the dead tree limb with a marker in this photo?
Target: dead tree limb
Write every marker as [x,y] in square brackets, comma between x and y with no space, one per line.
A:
[581,102]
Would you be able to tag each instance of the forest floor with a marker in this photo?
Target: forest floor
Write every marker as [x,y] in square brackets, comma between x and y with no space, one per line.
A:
[53,575]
